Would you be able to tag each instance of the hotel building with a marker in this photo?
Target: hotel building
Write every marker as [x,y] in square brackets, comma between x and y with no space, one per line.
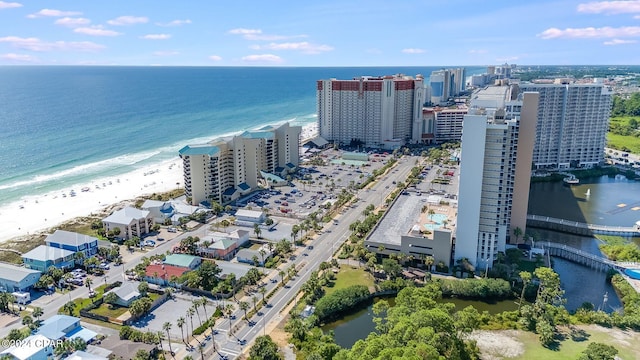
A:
[497,146]
[441,124]
[224,169]
[573,120]
[371,111]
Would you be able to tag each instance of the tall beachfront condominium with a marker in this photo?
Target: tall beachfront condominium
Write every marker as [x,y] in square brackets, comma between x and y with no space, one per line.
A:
[445,84]
[573,120]
[441,124]
[371,111]
[497,146]
[224,169]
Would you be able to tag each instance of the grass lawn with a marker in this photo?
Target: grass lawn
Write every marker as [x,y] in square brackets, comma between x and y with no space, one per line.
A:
[106,310]
[625,341]
[621,142]
[349,276]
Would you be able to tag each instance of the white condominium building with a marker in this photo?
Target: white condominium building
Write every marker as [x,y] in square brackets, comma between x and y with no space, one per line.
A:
[370,111]
[495,172]
[573,120]
[224,169]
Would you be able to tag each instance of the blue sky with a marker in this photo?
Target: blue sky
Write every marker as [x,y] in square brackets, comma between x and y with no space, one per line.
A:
[319,33]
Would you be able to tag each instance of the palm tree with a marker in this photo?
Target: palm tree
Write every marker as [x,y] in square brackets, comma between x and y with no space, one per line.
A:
[37,313]
[526,279]
[69,307]
[196,304]
[204,302]
[256,230]
[180,324]
[517,232]
[166,327]
[255,302]
[282,274]
[244,306]
[263,291]
[190,313]
[262,254]
[88,282]
[229,310]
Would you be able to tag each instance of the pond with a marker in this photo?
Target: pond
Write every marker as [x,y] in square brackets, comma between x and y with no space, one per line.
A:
[358,325]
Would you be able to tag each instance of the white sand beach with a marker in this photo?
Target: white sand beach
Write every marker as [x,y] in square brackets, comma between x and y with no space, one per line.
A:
[38,213]
[309,131]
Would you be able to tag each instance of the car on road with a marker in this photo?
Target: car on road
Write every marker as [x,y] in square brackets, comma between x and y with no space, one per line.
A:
[104,266]
[310,247]
[149,243]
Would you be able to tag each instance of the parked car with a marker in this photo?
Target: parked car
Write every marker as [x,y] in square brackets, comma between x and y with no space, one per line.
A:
[104,266]
[172,229]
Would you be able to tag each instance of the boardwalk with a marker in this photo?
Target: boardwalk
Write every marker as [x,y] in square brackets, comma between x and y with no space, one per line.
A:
[579,228]
[585,258]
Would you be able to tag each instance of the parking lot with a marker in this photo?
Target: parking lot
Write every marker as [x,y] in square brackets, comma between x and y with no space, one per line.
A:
[170,311]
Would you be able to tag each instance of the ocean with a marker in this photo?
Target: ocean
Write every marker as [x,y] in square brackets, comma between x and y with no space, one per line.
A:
[66,125]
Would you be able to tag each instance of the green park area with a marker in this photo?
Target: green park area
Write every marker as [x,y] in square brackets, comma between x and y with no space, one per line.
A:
[349,276]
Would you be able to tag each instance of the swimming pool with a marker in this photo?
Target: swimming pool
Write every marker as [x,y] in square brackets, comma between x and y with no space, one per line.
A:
[438,218]
[633,273]
[432,227]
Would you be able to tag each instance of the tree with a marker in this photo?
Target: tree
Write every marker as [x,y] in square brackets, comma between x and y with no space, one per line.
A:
[262,291]
[166,327]
[599,351]
[111,298]
[37,313]
[140,306]
[282,274]
[256,230]
[69,307]
[180,324]
[391,267]
[87,283]
[526,279]
[264,349]
[190,313]
[517,232]
[244,306]
[196,305]
[143,288]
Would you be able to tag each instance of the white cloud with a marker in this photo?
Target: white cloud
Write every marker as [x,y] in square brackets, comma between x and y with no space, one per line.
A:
[156,37]
[619,42]
[128,20]
[53,13]
[305,47]
[242,31]
[257,35]
[591,32]
[478,51]
[413,51]
[72,22]
[215,58]
[96,31]
[19,57]
[269,58]
[165,53]
[175,23]
[35,44]
[610,7]
[9,5]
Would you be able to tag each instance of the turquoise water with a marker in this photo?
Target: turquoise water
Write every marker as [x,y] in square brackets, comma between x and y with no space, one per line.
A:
[438,218]
[432,227]
[67,125]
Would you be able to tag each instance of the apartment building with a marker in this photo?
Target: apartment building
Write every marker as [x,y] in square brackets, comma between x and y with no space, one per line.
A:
[497,147]
[224,169]
[375,112]
[573,120]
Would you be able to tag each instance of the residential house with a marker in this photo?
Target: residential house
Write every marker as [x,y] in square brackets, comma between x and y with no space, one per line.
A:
[183,261]
[127,293]
[162,274]
[34,347]
[219,248]
[17,278]
[62,327]
[83,355]
[131,222]
[240,236]
[172,210]
[43,257]
[73,242]
[247,255]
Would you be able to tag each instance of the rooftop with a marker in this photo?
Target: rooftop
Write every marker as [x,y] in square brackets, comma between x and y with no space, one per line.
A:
[203,149]
[248,213]
[54,327]
[44,253]
[15,273]
[126,215]
[164,271]
[70,238]
[222,244]
[29,347]
[258,134]
[127,291]
[181,260]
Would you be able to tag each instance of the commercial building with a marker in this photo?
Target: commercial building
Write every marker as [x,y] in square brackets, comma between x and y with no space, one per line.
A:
[446,83]
[17,278]
[374,112]
[497,147]
[132,222]
[225,169]
[573,120]
[440,124]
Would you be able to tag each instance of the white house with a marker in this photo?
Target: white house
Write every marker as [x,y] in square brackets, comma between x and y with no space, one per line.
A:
[131,222]
[174,210]
[249,217]
[34,347]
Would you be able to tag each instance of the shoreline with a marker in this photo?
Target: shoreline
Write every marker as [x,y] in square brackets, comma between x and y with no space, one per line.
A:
[35,214]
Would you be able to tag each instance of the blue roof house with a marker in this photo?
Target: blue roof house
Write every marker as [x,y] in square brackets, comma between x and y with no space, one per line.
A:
[73,242]
[60,327]
[43,257]
[17,278]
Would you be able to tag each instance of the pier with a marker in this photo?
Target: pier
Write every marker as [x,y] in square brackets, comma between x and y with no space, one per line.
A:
[578,228]
[584,258]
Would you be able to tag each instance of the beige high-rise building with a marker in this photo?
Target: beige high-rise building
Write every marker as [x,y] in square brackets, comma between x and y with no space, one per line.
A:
[224,169]
[495,172]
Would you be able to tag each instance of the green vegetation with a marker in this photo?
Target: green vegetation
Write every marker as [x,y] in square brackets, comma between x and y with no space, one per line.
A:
[109,310]
[628,143]
[264,349]
[618,248]
[623,127]
[341,300]
[626,106]
[476,288]
[349,276]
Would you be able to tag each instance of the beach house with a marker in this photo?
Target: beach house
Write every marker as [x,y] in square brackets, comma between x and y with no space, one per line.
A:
[72,241]
[126,293]
[219,248]
[43,257]
[164,275]
[131,222]
[17,278]
[183,261]
[161,211]
[34,347]
[62,327]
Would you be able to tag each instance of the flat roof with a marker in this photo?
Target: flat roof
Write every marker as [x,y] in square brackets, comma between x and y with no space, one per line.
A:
[398,220]
[248,213]
[15,273]
[44,253]
[203,149]
[233,268]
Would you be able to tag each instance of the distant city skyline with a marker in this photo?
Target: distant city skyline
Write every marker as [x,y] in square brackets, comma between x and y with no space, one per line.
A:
[328,33]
